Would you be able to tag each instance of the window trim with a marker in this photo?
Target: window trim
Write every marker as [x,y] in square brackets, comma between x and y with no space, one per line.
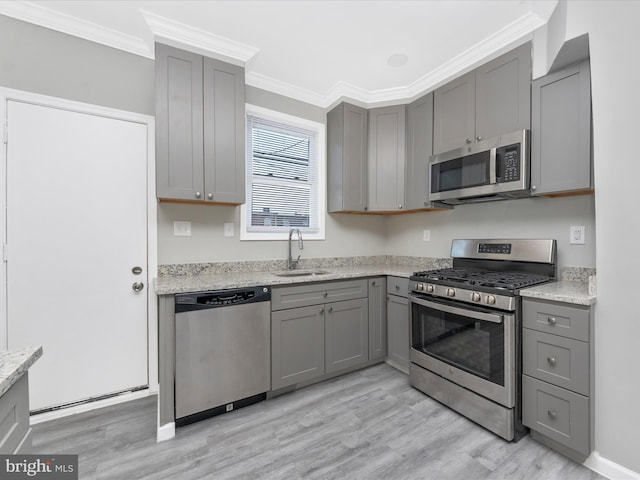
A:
[320,128]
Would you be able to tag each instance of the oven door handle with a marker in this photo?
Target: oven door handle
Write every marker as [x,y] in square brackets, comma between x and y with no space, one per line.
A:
[489,317]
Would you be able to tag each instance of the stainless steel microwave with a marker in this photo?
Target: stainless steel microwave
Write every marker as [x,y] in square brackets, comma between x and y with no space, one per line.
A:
[492,169]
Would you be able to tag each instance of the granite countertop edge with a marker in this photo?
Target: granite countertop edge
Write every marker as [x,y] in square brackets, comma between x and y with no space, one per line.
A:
[170,284]
[563,291]
[14,363]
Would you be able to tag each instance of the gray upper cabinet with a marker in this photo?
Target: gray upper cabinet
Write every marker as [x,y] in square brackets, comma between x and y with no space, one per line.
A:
[224,132]
[199,128]
[179,124]
[387,133]
[493,99]
[454,122]
[561,131]
[419,149]
[347,134]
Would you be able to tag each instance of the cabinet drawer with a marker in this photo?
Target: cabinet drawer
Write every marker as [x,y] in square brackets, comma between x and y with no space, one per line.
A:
[556,318]
[398,286]
[558,360]
[317,293]
[557,413]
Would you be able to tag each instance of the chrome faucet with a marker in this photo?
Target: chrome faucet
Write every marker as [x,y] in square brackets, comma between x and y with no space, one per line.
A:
[291,263]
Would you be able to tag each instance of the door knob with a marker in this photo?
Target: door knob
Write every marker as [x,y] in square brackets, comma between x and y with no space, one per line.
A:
[137,286]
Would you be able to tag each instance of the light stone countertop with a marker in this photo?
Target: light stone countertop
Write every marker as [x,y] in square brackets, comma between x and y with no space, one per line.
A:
[172,284]
[13,364]
[564,291]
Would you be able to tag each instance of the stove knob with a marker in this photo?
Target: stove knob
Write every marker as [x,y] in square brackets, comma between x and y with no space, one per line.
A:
[419,286]
[451,292]
[429,288]
[475,297]
[490,300]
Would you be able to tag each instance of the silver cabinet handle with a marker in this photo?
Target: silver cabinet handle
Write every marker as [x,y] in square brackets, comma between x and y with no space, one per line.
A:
[198,194]
[478,138]
[325,294]
[373,283]
[400,206]
[468,140]
[210,196]
[551,413]
[136,270]
[397,287]
[551,320]
[551,360]
[330,309]
[322,312]
[533,187]
[137,286]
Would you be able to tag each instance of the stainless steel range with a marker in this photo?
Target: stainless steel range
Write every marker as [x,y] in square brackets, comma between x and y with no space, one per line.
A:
[466,328]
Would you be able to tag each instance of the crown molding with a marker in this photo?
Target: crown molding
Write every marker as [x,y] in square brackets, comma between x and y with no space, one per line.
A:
[45,17]
[182,35]
[512,35]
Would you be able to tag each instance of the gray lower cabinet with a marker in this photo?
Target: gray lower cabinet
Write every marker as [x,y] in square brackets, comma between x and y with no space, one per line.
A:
[318,329]
[15,432]
[398,323]
[200,128]
[387,132]
[347,157]
[561,158]
[377,318]
[297,345]
[491,100]
[346,334]
[557,380]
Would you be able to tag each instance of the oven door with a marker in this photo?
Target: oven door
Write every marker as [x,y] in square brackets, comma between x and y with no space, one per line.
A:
[470,346]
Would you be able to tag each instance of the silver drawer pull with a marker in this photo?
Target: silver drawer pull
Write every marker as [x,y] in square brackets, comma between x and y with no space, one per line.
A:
[397,287]
[551,413]
[325,294]
[551,320]
[551,360]
[330,309]
[322,311]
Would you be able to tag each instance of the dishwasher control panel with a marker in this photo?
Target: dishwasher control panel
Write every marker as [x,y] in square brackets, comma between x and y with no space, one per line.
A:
[221,298]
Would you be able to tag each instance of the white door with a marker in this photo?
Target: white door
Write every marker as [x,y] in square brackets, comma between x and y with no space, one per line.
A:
[76,226]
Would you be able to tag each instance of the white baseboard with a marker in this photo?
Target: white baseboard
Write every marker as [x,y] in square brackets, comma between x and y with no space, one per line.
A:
[166,432]
[86,407]
[610,469]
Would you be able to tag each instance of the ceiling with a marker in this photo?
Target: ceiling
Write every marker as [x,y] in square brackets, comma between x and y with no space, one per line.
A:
[316,51]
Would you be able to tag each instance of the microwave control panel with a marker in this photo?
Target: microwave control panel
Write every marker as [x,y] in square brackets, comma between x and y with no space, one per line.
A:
[508,163]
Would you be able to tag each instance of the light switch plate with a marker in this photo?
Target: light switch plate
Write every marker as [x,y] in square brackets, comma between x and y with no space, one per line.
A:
[426,235]
[576,234]
[228,230]
[181,228]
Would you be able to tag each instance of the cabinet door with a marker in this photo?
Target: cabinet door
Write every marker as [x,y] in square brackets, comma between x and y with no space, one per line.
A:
[224,132]
[386,158]
[454,116]
[347,137]
[398,331]
[377,318]
[346,334]
[419,149]
[297,345]
[179,152]
[561,131]
[503,94]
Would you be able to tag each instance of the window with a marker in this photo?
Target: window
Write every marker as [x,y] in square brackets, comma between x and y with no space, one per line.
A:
[285,177]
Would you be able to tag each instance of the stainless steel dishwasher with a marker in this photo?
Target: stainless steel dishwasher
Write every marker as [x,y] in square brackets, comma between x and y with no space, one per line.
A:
[223,351]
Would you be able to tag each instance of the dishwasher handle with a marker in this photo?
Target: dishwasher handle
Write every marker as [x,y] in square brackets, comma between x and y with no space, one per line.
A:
[187,302]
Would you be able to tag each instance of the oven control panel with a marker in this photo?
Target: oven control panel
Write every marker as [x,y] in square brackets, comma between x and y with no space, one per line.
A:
[503,248]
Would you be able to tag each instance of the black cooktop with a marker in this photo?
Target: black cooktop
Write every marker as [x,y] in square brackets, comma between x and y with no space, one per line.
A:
[481,278]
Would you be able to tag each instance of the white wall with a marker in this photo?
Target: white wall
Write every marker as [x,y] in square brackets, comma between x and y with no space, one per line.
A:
[522,218]
[614,39]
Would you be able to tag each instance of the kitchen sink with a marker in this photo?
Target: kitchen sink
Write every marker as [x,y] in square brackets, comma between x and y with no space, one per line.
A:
[301,273]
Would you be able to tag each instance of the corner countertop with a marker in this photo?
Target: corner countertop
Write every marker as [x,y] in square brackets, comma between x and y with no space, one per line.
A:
[172,284]
[13,363]
[564,291]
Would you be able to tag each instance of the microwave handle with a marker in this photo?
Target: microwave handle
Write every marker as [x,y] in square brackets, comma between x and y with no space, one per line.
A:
[492,166]
[489,317]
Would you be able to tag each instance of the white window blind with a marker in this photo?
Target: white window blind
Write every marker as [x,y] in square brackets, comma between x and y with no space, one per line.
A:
[283,177]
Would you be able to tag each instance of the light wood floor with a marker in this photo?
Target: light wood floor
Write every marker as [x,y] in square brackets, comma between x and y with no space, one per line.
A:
[365,425]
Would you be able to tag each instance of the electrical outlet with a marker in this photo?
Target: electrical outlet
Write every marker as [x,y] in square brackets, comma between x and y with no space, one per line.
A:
[426,235]
[228,230]
[576,235]
[182,229]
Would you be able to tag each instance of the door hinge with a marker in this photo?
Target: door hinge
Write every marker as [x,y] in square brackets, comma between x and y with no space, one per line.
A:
[5,252]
